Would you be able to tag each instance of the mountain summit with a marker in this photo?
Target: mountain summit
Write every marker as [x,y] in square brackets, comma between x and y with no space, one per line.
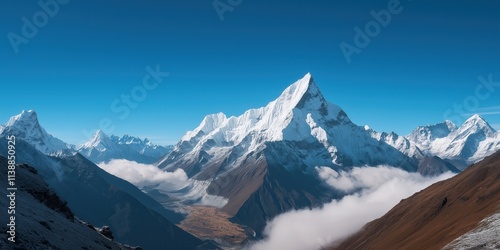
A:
[269,123]
[25,126]
[462,146]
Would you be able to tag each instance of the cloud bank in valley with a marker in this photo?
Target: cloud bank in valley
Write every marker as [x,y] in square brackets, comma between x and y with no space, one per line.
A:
[143,175]
[151,177]
[376,191]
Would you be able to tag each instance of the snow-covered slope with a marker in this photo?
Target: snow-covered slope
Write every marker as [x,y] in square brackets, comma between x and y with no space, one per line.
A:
[485,236]
[425,135]
[471,142]
[25,126]
[103,148]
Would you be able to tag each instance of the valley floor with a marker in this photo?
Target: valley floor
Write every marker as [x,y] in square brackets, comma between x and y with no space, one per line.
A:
[210,223]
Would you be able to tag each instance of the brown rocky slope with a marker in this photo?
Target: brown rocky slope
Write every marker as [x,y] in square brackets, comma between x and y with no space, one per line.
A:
[437,215]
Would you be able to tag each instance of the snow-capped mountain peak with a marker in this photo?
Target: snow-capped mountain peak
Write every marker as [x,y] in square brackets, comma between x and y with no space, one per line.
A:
[425,135]
[100,135]
[25,126]
[25,120]
[292,95]
[304,94]
[299,116]
[474,124]
[103,148]
[99,141]
[131,140]
[472,141]
[270,123]
[29,116]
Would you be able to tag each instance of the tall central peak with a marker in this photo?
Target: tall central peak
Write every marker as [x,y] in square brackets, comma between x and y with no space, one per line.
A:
[296,103]
[305,95]
[302,90]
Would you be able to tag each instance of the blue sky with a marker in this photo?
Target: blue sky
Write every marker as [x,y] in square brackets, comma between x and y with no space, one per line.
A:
[412,72]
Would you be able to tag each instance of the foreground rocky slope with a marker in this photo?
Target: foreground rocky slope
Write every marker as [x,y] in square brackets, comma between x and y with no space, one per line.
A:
[438,215]
[43,221]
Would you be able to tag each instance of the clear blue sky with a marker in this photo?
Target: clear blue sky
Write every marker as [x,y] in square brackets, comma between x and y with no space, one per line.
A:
[91,52]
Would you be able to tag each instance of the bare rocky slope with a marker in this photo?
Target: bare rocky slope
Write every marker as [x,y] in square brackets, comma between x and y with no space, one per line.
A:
[437,215]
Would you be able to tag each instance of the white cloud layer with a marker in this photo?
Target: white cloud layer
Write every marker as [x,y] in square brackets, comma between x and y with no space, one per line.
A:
[143,175]
[171,183]
[378,189]
[367,178]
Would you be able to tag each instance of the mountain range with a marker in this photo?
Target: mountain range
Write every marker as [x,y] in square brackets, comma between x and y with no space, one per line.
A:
[264,162]
[103,148]
[94,195]
[248,169]
[461,146]
[100,148]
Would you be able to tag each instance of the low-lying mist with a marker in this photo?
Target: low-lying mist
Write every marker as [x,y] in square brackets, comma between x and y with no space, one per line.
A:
[372,191]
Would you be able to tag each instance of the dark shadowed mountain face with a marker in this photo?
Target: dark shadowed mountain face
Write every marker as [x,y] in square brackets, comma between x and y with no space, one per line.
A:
[438,214]
[43,220]
[281,190]
[102,199]
[433,166]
